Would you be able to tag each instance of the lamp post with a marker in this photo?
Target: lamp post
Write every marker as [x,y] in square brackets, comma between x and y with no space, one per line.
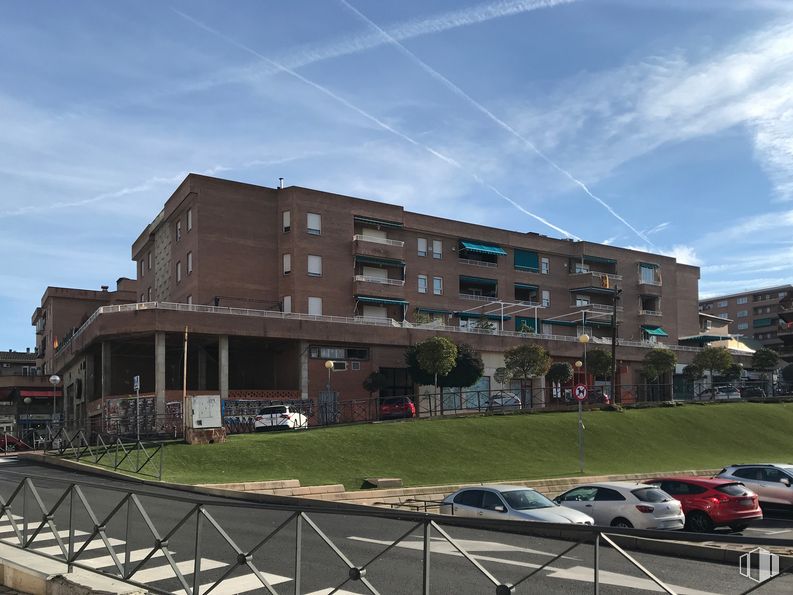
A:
[584,339]
[329,368]
[578,365]
[54,381]
[27,401]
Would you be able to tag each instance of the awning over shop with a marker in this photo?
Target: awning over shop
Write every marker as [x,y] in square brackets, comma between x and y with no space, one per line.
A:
[386,262]
[465,315]
[483,248]
[378,300]
[378,222]
[40,393]
[656,331]
[478,280]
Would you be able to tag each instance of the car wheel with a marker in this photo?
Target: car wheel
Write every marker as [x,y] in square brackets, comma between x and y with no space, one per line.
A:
[699,522]
[622,523]
[739,526]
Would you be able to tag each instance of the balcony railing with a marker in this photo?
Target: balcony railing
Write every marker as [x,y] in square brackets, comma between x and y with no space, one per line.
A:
[380,280]
[650,313]
[478,263]
[477,298]
[599,275]
[656,282]
[376,240]
[597,307]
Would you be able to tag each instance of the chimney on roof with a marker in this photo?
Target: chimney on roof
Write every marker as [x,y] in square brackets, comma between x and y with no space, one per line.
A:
[105,287]
[27,349]
[280,183]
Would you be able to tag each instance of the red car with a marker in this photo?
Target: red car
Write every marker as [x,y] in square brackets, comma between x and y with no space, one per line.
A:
[12,444]
[396,407]
[709,503]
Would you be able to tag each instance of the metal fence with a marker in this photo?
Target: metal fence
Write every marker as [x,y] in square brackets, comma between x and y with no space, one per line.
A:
[90,519]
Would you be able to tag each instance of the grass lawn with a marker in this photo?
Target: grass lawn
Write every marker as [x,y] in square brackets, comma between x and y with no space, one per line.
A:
[472,449]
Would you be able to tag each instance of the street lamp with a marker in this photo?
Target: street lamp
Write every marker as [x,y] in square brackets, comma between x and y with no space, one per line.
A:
[54,381]
[584,339]
[27,401]
[578,365]
[329,367]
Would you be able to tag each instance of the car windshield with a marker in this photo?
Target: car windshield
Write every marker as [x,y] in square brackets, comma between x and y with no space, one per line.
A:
[734,489]
[526,500]
[273,410]
[651,495]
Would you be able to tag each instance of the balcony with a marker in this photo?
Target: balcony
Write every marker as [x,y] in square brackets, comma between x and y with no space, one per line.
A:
[376,247]
[476,297]
[596,307]
[379,286]
[656,313]
[478,263]
[785,331]
[595,278]
[380,280]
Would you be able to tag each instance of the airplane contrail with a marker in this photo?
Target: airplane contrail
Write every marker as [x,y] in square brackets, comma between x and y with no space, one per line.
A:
[481,108]
[324,90]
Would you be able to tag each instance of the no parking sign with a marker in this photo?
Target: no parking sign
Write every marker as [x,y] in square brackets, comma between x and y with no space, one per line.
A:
[580,392]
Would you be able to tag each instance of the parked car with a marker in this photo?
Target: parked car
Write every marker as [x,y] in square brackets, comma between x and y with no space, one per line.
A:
[10,443]
[516,503]
[501,401]
[710,502]
[773,483]
[720,392]
[279,417]
[753,392]
[597,395]
[396,408]
[625,504]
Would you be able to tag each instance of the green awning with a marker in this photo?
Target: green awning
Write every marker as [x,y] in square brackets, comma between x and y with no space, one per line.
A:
[656,331]
[433,310]
[520,321]
[483,248]
[762,322]
[590,289]
[526,286]
[599,259]
[478,280]
[526,260]
[377,222]
[386,262]
[701,339]
[477,315]
[376,300]
[561,322]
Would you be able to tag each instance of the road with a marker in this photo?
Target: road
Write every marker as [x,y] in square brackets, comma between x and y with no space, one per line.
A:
[508,557]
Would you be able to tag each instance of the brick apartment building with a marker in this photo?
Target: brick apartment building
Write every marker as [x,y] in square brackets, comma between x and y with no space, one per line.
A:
[272,283]
[753,314]
[26,397]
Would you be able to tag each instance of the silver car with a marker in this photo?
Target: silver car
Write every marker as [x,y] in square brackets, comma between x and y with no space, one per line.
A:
[772,482]
[516,503]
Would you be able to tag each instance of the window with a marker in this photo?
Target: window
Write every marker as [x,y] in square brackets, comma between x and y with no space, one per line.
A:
[492,500]
[287,304]
[545,265]
[526,260]
[437,248]
[141,297]
[334,353]
[608,495]
[286,221]
[287,264]
[149,259]
[189,262]
[179,271]
[422,246]
[742,326]
[148,294]
[723,304]
[142,269]
[437,285]
[742,300]
[313,224]
[649,273]
[724,315]
[179,230]
[315,306]
[189,299]
[469,498]
[314,266]
[546,298]
[189,219]
[422,283]
[585,494]
[581,300]
[743,313]
[782,295]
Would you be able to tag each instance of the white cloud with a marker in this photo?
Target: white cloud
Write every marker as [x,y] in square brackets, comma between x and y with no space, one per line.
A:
[682,253]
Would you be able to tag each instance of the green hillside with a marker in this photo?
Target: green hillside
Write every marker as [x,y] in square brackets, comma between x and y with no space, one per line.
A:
[472,449]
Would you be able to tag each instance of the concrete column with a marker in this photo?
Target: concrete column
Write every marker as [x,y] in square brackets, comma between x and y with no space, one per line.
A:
[543,400]
[202,368]
[106,369]
[159,372]
[304,370]
[223,366]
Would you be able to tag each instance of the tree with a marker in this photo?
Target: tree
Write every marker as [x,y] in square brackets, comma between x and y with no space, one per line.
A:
[733,371]
[765,359]
[693,372]
[526,361]
[374,382]
[598,362]
[714,359]
[657,364]
[559,373]
[468,368]
[787,373]
[436,356]
[502,376]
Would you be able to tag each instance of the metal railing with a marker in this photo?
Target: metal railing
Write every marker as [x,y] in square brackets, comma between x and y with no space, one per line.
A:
[476,297]
[478,263]
[82,527]
[650,313]
[599,275]
[380,280]
[598,307]
[375,240]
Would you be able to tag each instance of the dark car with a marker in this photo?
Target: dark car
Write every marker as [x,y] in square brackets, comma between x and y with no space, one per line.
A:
[397,408]
[597,395]
[752,391]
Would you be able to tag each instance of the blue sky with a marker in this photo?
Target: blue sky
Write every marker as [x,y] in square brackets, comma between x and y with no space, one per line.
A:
[665,125]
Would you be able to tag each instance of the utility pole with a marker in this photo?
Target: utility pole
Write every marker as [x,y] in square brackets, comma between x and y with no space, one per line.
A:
[615,299]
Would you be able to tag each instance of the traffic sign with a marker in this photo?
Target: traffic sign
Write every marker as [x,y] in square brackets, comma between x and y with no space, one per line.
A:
[136,383]
[580,392]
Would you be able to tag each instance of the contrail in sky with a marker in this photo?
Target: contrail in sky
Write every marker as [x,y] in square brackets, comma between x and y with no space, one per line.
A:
[481,108]
[324,90]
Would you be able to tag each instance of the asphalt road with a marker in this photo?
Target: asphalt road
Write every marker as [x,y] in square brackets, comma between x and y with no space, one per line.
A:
[509,558]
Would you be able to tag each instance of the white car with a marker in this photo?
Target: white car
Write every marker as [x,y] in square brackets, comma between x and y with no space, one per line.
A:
[502,401]
[625,504]
[279,417]
[517,503]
